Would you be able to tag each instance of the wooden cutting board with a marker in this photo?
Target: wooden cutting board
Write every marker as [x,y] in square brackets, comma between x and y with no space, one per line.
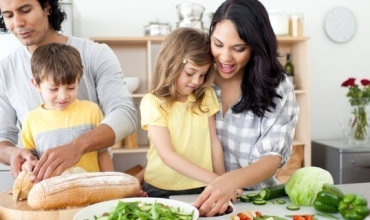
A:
[21,211]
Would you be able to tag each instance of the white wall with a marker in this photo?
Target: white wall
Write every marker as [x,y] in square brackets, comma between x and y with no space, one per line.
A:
[331,63]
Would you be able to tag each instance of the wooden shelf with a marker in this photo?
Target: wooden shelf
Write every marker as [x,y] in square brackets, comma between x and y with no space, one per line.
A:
[298,91]
[145,148]
[139,149]
[298,143]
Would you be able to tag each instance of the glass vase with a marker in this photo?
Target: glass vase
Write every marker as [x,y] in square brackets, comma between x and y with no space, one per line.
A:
[356,131]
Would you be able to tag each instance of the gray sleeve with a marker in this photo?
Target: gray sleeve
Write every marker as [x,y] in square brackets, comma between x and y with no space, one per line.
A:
[114,98]
[8,119]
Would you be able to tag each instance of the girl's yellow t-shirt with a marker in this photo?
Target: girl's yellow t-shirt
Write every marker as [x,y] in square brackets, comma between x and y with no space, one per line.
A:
[190,137]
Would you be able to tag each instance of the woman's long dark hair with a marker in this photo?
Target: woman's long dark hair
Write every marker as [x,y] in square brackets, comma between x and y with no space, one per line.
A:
[56,17]
[264,72]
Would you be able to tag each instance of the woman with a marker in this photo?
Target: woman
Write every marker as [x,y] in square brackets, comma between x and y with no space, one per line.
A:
[258,111]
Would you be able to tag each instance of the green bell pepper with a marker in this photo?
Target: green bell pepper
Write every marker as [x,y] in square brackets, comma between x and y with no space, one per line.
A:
[332,189]
[353,207]
[328,199]
[326,202]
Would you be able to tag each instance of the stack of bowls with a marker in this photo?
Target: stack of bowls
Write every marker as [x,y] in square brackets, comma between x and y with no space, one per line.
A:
[190,15]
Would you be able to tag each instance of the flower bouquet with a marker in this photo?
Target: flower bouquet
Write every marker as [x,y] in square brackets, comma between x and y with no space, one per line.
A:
[359,99]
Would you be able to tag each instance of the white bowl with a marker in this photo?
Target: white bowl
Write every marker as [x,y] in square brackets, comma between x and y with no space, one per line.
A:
[98,209]
[221,217]
[132,83]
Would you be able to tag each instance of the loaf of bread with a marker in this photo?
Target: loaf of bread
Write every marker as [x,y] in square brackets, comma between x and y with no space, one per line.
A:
[82,189]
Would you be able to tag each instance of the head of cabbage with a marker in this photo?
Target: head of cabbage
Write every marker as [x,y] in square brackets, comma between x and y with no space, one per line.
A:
[303,186]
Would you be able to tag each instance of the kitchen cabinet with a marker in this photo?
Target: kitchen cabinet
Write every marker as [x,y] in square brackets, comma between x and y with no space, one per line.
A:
[346,163]
[137,56]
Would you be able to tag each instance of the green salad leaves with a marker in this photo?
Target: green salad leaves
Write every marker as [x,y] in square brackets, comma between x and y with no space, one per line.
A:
[144,211]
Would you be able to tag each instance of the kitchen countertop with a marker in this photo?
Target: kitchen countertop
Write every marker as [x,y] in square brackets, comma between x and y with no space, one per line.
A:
[359,188]
[281,210]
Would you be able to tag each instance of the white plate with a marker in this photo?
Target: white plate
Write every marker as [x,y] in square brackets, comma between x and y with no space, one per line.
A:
[98,209]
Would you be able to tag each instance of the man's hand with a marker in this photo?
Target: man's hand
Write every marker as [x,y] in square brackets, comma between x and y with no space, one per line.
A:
[55,160]
[19,156]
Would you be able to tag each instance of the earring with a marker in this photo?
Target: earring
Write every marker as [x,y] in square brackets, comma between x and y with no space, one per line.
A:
[183,60]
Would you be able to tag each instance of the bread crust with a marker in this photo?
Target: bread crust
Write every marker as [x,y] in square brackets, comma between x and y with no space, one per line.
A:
[82,189]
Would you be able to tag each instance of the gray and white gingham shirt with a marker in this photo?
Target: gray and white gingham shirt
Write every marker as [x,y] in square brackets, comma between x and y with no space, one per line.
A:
[246,138]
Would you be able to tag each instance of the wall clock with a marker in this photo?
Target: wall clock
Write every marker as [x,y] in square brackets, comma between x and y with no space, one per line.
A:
[340,25]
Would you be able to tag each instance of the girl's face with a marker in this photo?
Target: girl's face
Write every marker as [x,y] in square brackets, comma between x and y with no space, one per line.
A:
[230,52]
[57,97]
[190,78]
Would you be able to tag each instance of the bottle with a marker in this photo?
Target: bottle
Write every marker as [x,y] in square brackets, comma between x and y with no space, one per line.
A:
[289,68]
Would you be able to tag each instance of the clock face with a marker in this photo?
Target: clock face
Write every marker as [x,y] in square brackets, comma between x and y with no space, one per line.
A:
[340,25]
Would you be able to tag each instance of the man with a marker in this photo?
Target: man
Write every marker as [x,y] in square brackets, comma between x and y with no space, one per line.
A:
[35,23]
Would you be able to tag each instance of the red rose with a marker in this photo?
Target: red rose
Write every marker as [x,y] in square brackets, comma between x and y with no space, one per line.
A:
[349,82]
[365,82]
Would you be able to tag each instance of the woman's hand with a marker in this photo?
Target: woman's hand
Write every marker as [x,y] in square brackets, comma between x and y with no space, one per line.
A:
[216,197]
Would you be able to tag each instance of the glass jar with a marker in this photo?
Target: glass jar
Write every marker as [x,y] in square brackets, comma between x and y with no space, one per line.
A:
[279,22]
[296,25]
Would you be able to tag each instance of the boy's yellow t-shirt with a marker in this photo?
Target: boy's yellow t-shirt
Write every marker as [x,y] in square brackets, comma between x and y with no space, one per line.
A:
[190,137]
[44,129]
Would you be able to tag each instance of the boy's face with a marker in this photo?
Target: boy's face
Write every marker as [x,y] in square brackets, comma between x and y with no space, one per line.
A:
[57,97]
[26,20]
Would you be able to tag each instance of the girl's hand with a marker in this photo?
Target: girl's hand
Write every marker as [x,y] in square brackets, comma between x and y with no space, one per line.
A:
[216,197]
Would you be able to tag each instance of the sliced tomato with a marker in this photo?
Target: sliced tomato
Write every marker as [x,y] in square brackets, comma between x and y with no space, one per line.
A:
[308,217]
[243,217]
[298,217]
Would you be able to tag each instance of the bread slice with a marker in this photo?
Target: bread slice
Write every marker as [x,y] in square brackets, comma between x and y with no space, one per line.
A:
[22,185]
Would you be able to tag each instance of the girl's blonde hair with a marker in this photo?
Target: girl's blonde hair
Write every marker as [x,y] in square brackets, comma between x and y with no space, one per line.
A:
[186,43]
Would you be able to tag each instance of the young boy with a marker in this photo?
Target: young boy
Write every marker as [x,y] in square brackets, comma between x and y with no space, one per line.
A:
[57,70]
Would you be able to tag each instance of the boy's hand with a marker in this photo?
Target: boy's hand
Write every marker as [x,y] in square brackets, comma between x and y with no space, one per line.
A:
[27,166]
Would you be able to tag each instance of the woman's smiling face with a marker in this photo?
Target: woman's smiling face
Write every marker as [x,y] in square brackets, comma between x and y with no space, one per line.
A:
[230,52]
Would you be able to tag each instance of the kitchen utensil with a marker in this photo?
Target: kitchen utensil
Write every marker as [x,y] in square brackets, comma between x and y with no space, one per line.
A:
[190,11]
[296,25]
[157,28]
[21,210]
[191,23]
[99,208]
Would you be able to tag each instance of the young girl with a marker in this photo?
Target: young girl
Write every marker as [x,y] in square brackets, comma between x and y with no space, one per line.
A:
[179,116]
